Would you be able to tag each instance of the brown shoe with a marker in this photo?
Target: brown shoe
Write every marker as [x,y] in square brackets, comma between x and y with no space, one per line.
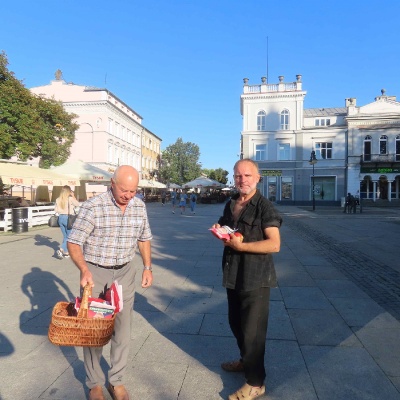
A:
[118,392]
[247,392]
[96,393]
[233,366]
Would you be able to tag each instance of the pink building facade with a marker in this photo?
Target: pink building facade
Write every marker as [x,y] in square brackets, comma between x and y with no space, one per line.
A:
[110,132]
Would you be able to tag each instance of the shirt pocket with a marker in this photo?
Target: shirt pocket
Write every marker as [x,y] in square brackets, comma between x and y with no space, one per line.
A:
[251,229]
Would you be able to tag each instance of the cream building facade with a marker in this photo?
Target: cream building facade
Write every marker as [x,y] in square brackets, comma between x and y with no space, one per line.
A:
[110,132]
[357,149]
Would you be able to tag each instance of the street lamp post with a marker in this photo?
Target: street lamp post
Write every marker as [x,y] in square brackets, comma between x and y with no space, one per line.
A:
[313,161]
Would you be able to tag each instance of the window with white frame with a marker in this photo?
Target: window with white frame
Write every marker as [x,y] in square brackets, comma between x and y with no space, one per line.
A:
[116,156]
[285,120]
[322,121]
[110,125]
[323,150]
[260,152]
[383,144]
[262,121]
[109,154]
[367,148]
[283,151]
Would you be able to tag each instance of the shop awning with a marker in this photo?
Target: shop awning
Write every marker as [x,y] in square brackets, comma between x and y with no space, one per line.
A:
[26,175]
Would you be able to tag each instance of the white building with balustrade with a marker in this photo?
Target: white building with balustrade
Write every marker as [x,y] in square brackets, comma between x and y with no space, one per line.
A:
[356,148]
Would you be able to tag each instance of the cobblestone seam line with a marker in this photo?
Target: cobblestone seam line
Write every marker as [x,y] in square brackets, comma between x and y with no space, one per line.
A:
[378,280]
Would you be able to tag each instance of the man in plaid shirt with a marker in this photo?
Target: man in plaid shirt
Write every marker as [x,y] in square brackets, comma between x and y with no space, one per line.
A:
[248,275]
[102,244]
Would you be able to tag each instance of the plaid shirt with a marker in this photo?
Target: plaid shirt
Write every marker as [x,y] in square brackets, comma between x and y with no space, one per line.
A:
[249,271]
[108,236]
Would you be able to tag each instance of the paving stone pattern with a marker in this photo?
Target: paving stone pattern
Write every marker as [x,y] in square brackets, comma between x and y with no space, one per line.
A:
[377,279]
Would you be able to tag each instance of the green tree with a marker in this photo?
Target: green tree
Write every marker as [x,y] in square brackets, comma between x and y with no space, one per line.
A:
[31,126]
[180,162]
[219,174]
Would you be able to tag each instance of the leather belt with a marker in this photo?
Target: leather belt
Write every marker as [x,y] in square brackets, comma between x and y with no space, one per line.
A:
[112,267]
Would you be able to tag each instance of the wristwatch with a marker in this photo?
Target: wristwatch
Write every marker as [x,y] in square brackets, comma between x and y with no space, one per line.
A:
[148,268]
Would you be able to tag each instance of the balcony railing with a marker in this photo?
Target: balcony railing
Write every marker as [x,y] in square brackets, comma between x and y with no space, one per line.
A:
[269,88]
[380,158]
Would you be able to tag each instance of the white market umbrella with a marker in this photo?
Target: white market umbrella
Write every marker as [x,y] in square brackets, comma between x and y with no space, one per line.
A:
[147,183]
[159,185]
[84,172]
[203,182]
[174,186]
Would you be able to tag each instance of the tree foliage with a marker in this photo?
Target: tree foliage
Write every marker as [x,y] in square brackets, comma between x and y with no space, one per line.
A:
[31,126]
[219,174]
[180,162]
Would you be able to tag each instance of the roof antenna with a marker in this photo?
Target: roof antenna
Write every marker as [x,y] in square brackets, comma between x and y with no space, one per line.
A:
[267,59]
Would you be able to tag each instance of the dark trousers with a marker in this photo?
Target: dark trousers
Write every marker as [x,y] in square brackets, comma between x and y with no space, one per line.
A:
[248,318]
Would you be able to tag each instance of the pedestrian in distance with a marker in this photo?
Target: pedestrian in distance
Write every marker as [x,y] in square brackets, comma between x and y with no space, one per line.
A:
[173,200]
[108,230]
[182,201]
[248,275]
[65,205]
[193,200]
[163,197]
[139,194]
[20,202]
[348,208]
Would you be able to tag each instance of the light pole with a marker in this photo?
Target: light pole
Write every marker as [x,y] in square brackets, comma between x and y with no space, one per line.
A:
[313,161]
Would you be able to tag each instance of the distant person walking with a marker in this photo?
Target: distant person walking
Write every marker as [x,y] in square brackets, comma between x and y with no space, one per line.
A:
[182,202]
[193,200]
[163,197]
[173,200]
[65,205]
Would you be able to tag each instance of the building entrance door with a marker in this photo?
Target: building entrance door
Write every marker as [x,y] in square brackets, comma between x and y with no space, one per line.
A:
[383,188]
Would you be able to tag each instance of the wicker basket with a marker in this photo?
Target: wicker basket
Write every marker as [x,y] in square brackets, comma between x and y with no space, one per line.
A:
[69,329]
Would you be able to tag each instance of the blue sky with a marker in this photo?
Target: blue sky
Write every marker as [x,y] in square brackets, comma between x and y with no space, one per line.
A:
[180,64]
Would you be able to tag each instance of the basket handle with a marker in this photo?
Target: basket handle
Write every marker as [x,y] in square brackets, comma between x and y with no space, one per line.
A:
[83,309]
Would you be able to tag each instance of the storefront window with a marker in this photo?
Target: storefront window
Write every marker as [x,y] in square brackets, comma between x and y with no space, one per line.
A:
[287,188]
[272,188]
[324,187]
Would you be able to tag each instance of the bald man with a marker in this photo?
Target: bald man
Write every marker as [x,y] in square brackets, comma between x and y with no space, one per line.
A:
[102,245]
[248,275]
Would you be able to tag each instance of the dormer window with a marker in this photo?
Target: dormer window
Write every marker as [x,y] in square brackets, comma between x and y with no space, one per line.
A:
[322,121]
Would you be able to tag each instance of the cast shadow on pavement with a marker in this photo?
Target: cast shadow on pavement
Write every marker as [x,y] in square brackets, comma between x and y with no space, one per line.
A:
[6,347]
[47,241]
[43,289]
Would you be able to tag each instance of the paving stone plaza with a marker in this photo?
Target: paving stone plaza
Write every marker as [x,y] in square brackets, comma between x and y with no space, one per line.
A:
[334,325]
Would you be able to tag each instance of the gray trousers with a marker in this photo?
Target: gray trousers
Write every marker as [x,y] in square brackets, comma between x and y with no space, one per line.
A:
[120,340]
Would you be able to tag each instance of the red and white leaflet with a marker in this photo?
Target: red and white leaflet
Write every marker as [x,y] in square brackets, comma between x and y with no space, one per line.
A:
[116,296]
[223,232]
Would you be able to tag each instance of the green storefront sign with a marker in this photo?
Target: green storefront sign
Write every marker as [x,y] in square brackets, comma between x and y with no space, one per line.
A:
[271,172]
[379,170]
